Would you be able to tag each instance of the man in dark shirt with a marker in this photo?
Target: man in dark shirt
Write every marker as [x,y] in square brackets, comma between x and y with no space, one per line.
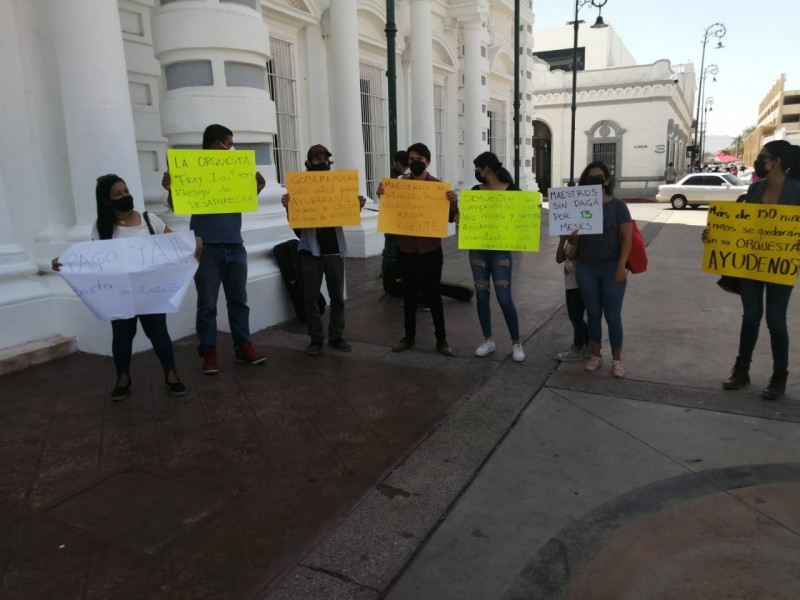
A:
[420,260]
[223,262]
[322,251]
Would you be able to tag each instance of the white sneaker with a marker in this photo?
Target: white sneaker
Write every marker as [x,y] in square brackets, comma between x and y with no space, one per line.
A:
[487,347]
[593,363]
[517,353]
[573,353]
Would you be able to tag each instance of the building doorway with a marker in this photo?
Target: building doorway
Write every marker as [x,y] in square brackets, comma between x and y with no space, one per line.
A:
[542,143]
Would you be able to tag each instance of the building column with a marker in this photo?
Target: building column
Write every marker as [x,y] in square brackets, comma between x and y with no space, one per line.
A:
[98,118]
[423,124]
[345,93]
[473,96]
[320,114]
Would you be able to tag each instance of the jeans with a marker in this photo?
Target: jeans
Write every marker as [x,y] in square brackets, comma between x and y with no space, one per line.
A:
[155,328]
[494,264]
[225,264]
[422,273]
[576,309]
[314,267]
[752,294]
[602,297]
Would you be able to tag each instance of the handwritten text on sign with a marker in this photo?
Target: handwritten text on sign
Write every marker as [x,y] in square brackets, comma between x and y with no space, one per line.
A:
[323,199]
[753,241]
[419,208]
[118,279]
[213,181]
[578,208]
[499,220]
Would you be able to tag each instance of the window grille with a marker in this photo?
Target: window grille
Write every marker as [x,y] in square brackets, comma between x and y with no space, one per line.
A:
[497,129]
[282,89]
[374,126]
[607,153]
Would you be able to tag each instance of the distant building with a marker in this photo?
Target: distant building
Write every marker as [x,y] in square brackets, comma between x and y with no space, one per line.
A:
[636,118]
[778,119]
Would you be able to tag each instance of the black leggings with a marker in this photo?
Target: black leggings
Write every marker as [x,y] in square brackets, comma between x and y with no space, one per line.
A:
[155,328]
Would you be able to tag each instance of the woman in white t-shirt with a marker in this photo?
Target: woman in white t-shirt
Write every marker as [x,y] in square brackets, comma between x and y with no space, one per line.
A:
[116,218]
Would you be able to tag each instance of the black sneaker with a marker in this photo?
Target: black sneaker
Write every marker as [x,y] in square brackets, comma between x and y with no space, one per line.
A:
[120,392]
[314,348]
[176,389]
[340,344]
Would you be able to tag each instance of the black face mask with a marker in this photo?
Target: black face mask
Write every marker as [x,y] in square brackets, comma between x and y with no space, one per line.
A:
[479,177]
[123,204]
[760,168]
[319,167]
[595,180]
[417,167]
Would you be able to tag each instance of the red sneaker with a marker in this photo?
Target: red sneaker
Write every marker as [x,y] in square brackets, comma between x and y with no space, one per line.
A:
[209,356]
[247,354]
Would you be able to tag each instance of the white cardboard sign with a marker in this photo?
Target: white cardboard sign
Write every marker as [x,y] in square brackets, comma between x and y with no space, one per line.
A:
[576,208]
[121,278]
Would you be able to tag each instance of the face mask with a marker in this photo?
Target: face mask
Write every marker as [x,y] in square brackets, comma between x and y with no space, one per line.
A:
[595,180]
[319,167]
[760,168]
[480,178]
[417,167]
[124,204]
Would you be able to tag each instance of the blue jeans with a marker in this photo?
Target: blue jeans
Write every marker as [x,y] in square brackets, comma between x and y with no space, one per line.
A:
[155,328]
[224,264]
[752,293]
[494,264]
[602,297]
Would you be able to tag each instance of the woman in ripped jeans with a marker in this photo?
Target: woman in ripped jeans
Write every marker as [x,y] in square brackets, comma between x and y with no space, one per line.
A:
[494,264]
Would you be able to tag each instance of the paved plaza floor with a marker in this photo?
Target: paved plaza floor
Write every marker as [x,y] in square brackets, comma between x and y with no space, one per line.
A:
[413,476]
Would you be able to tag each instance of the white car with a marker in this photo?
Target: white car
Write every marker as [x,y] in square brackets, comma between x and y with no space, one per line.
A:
[701,188]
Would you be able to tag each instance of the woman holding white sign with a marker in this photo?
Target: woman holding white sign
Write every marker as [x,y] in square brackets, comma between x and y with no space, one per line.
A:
[116,218]
[600,269]
[494,264]
[778,167]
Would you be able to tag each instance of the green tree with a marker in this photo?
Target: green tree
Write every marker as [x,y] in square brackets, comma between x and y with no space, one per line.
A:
[737,148]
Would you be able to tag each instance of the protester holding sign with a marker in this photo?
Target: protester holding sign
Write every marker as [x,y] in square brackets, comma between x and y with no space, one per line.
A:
[600,269]
[322,251]
[420,259]
[116,218]
[494,264]
[224,261]
[778,166]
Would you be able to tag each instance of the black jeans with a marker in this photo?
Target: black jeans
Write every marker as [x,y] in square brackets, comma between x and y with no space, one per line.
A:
[422,273]
[576,312]
[155,328]
[752,293]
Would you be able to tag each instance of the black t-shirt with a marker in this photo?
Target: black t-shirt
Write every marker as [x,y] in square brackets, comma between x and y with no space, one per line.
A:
[328,244]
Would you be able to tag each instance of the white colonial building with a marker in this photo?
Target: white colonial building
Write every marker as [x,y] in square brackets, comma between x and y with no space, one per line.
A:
[635,118]
[106,86]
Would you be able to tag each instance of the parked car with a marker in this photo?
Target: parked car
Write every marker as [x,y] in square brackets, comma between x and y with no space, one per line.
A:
[701,188]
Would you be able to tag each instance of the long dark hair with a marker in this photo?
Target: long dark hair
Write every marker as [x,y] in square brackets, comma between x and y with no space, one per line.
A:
[789,155]
[598,164]
[489,159]
[105,212]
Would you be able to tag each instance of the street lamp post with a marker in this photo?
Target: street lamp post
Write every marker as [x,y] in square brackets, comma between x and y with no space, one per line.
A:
[708,108]
[716,30]
[599,4]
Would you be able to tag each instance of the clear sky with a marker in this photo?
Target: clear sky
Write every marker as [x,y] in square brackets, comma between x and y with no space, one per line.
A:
[760,44]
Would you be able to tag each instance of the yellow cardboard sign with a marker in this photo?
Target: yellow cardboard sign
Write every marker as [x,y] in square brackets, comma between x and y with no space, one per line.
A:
[499,220]
[323,199]
[753,241]
[418,208]
[213,181]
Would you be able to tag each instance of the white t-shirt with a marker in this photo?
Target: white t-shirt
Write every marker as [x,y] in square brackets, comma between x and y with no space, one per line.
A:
[129,232]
